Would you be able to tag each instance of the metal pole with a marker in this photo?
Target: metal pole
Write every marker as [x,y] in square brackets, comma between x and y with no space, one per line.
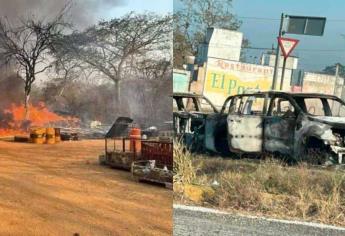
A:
[335,83]
[283,73]
[276,64]
[336,78]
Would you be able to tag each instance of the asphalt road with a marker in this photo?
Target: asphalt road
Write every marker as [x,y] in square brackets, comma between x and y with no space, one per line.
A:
[201,221]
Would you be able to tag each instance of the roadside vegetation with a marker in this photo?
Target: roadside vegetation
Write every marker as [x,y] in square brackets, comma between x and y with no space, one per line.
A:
[263,187]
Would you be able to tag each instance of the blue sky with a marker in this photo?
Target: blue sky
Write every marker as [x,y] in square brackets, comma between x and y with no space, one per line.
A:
[263,33]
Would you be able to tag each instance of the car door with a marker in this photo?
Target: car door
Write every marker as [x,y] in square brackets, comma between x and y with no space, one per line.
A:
[183,107]
[279,126]
[215,125]
[245,129]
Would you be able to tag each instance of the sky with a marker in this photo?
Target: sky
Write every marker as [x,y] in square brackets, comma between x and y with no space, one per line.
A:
[314,52]
[82,13]
[158,6]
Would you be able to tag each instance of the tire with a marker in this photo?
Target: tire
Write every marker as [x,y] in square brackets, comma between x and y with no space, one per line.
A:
[318,156]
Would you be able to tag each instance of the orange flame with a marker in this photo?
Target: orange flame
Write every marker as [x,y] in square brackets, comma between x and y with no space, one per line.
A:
[39,115]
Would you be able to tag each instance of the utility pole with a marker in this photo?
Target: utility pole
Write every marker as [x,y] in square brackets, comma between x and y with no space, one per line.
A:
[276,64]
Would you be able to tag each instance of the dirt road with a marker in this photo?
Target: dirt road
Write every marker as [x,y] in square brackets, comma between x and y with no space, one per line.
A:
[62,190]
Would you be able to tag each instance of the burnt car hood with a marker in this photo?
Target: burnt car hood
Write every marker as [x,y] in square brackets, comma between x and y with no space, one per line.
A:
[332,121]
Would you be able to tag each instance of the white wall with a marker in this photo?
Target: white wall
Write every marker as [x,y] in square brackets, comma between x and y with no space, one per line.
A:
[270,59]
[221,43]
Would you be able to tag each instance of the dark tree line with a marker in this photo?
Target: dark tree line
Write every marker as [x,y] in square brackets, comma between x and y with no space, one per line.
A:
[331,70]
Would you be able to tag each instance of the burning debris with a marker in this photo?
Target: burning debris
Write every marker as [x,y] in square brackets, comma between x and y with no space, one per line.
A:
[39,128]
[69,136]
[149,160]
[83,88]
[13,119]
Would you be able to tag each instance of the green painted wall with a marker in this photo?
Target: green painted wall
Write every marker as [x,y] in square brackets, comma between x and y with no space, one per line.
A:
[181,81]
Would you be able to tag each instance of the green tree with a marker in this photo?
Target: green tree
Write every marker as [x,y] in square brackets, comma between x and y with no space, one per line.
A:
[330,70]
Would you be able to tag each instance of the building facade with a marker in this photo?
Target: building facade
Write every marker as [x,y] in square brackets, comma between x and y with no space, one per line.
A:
[219,72]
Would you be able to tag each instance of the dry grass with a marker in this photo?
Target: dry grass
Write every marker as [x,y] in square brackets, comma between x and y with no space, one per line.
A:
[270,188]
[184,170]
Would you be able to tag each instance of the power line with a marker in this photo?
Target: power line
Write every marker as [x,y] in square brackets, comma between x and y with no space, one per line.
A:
[300,49]
[257,18]
[223,46]
[311,50]
[277,19]
[297,49]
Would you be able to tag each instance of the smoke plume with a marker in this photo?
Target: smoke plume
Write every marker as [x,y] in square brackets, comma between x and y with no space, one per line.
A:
[82,12]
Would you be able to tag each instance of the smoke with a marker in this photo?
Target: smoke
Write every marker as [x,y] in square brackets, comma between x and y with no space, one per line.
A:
[11,87]
[82,12]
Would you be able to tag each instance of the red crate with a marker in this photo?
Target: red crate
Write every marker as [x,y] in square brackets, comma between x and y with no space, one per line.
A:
[159,151]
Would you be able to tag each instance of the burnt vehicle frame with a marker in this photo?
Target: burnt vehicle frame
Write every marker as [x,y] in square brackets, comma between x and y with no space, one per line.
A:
[294,133]
[189,115]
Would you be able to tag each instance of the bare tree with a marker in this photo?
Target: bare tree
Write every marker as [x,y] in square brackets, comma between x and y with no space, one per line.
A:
[67,67]
[152,69]
[27,46]
[192,20]
[115,47]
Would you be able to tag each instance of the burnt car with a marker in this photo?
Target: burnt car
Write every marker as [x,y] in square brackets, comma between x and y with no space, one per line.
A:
[297,126]
[189,115]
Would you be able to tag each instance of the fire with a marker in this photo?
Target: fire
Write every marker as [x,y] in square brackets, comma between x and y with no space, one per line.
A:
[12,119]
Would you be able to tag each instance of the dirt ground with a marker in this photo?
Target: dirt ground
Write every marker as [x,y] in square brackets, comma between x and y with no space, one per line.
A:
[62,190]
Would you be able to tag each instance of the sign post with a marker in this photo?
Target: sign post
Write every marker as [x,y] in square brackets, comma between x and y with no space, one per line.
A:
[286,45]
[305,25]
[276,63]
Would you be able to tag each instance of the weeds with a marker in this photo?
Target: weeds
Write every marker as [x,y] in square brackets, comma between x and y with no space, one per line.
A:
[268,187]
[184,170]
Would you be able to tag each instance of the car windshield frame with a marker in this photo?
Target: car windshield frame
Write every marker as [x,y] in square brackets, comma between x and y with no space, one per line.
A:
[197,102]
[327,108]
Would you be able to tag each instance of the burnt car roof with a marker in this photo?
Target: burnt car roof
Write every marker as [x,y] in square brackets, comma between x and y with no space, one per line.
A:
[292,94]
[194,95]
